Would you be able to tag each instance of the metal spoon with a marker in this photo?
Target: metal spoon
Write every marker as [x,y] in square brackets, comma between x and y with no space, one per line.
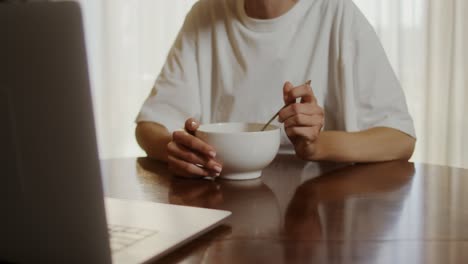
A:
[277,113]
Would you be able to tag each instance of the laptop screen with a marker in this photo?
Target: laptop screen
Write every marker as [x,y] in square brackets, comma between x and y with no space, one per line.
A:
[51,194]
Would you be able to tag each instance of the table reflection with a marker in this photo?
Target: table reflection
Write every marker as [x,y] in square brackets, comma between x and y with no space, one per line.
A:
[329,213]
[254,206]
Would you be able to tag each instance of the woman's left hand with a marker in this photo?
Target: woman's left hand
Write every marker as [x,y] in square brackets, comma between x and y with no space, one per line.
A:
[303,121]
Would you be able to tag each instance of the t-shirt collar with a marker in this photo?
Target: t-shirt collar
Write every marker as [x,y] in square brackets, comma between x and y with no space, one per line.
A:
[274,24]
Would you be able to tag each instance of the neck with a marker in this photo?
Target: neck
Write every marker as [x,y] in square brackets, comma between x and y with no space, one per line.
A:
[268,9]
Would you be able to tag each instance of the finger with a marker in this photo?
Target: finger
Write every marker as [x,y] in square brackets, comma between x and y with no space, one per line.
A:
[304,92]
[287,87]
[193,143]
[185,169]
[308,83]
[310,133]
[304,120]
[185,154]
[191,125]
[297,109]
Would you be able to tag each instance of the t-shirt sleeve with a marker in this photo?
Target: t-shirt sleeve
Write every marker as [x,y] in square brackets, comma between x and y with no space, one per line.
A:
[374,97]
[175,96]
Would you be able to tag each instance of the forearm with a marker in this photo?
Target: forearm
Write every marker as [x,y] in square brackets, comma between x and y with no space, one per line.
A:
[153,139]
[372,145]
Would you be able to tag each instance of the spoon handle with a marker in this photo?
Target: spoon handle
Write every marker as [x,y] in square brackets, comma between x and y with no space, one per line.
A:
[277,113]
[273,118]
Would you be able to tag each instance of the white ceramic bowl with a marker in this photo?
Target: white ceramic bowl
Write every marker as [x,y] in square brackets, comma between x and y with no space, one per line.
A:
[242,148]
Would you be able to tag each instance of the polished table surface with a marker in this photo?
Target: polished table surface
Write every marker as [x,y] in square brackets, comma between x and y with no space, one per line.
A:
[306,212]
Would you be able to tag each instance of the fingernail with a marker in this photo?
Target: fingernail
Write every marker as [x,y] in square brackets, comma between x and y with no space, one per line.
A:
[212,154]
[193,124]
[309,82]
[217,175]
[217,169]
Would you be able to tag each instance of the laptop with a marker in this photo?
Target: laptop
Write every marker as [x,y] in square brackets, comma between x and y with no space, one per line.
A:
[51,194]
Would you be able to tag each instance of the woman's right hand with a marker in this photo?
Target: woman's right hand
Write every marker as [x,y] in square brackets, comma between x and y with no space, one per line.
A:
[189,156]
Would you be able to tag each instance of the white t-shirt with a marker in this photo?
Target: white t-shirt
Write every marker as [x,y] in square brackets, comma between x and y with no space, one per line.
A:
[225,67]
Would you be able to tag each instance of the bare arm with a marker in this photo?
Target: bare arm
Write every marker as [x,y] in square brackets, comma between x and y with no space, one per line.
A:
[303,122]
[153,139]
[372,145]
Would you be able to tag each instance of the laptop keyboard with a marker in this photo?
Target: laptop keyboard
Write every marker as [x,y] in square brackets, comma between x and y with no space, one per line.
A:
[124,236]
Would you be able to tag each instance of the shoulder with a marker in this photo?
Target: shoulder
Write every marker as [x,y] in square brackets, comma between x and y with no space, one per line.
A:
[347,16]
[205,13]
[340,8]
[342,5]
[336,5]
[340,13]
[205,8]
[199,16]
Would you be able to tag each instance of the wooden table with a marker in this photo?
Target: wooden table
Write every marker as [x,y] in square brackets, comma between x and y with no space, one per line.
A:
[305,212]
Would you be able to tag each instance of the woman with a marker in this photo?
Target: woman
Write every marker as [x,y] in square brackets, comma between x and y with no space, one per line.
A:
[242,60]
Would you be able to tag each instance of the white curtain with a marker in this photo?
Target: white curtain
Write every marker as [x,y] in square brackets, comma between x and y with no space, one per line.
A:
[128,41]
[425,41]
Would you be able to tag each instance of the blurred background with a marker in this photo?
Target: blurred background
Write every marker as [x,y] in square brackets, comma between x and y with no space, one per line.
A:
[425,40]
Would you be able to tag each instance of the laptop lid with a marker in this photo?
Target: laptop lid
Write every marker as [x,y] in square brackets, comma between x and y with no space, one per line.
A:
[50,190]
